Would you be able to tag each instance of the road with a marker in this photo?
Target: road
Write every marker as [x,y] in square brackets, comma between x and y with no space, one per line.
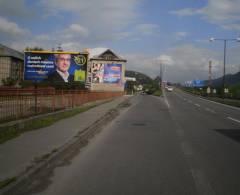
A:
[177,144]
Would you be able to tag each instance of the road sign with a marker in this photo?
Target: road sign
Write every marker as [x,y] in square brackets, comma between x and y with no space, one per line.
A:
[208,90]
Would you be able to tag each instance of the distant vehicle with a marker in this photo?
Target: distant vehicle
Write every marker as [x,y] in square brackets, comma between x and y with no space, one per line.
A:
[169,88]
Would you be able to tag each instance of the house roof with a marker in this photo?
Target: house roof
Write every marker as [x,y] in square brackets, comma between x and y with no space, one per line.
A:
[96,53]
[6,51]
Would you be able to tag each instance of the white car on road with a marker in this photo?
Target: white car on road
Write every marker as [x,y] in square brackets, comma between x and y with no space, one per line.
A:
[169,88]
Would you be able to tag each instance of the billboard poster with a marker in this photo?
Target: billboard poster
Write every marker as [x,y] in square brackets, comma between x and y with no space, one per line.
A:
[106,73]
[97,72]
[55,67]
[112,73]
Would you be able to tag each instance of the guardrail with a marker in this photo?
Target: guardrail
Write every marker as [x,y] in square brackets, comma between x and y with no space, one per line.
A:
[21,103]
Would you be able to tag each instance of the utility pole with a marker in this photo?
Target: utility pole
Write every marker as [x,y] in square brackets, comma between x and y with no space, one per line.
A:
[59,48]
[210,74]
[224,69]
[224,59]
[160,75]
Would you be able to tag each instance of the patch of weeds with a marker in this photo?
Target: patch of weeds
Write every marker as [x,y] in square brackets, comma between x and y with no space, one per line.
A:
[29,167]
[7,181]
[124,105]
[157,93]
[54,150]
[41,158]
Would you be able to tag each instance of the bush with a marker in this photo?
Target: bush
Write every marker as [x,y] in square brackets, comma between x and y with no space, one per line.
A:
[9,81]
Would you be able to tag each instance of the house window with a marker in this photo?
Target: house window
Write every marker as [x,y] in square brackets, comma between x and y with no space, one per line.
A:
[14,70]
[5,64]
[108,57]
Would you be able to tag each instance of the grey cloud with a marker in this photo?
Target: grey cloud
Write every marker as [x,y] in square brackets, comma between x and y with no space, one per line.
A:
[148,29]
[185,12]
[104,20]
[11,29]
[221,10]
[71,33]
[231,26]
[184,62]
[142,63]
[180,35]
[17,8]
[224,13]
[104,15]
[95,21]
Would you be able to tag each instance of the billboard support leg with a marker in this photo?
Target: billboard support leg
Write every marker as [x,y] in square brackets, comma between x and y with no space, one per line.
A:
[35,97]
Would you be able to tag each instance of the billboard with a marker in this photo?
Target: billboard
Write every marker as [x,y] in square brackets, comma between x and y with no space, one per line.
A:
[97,72]
[112,73]
[198,83]
[55,67]
[107,73]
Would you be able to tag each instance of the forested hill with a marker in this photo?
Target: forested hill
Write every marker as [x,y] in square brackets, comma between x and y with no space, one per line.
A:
[140,77]
[230,79]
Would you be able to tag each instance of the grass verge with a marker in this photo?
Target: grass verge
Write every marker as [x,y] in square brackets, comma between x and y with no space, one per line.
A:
[7,181]
[10,132]
[231,102]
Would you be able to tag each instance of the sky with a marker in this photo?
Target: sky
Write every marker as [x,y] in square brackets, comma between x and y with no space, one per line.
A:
[145,32]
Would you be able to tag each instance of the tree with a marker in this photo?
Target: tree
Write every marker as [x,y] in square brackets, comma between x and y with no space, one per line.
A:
[36,48]
[235,90]
[130,86]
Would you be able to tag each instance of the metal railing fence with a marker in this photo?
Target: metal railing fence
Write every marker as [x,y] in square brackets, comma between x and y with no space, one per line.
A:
[21,103]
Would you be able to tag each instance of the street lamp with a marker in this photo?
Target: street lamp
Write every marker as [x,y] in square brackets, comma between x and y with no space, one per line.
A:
[224,58]
[160,75]
[159,61]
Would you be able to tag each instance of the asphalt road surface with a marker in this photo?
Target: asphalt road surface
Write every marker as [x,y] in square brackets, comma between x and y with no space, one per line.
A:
[177,144]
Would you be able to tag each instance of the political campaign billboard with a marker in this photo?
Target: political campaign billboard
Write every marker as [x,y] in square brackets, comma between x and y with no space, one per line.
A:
[106,73]
[112,73]
[55,67]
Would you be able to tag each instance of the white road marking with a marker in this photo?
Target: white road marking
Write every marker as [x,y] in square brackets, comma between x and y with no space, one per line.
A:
[187,150]
[165,99]
[180,133]
[236,108]
[210,110]
[197,105]
[178,95]
[201,182]
[233,119]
